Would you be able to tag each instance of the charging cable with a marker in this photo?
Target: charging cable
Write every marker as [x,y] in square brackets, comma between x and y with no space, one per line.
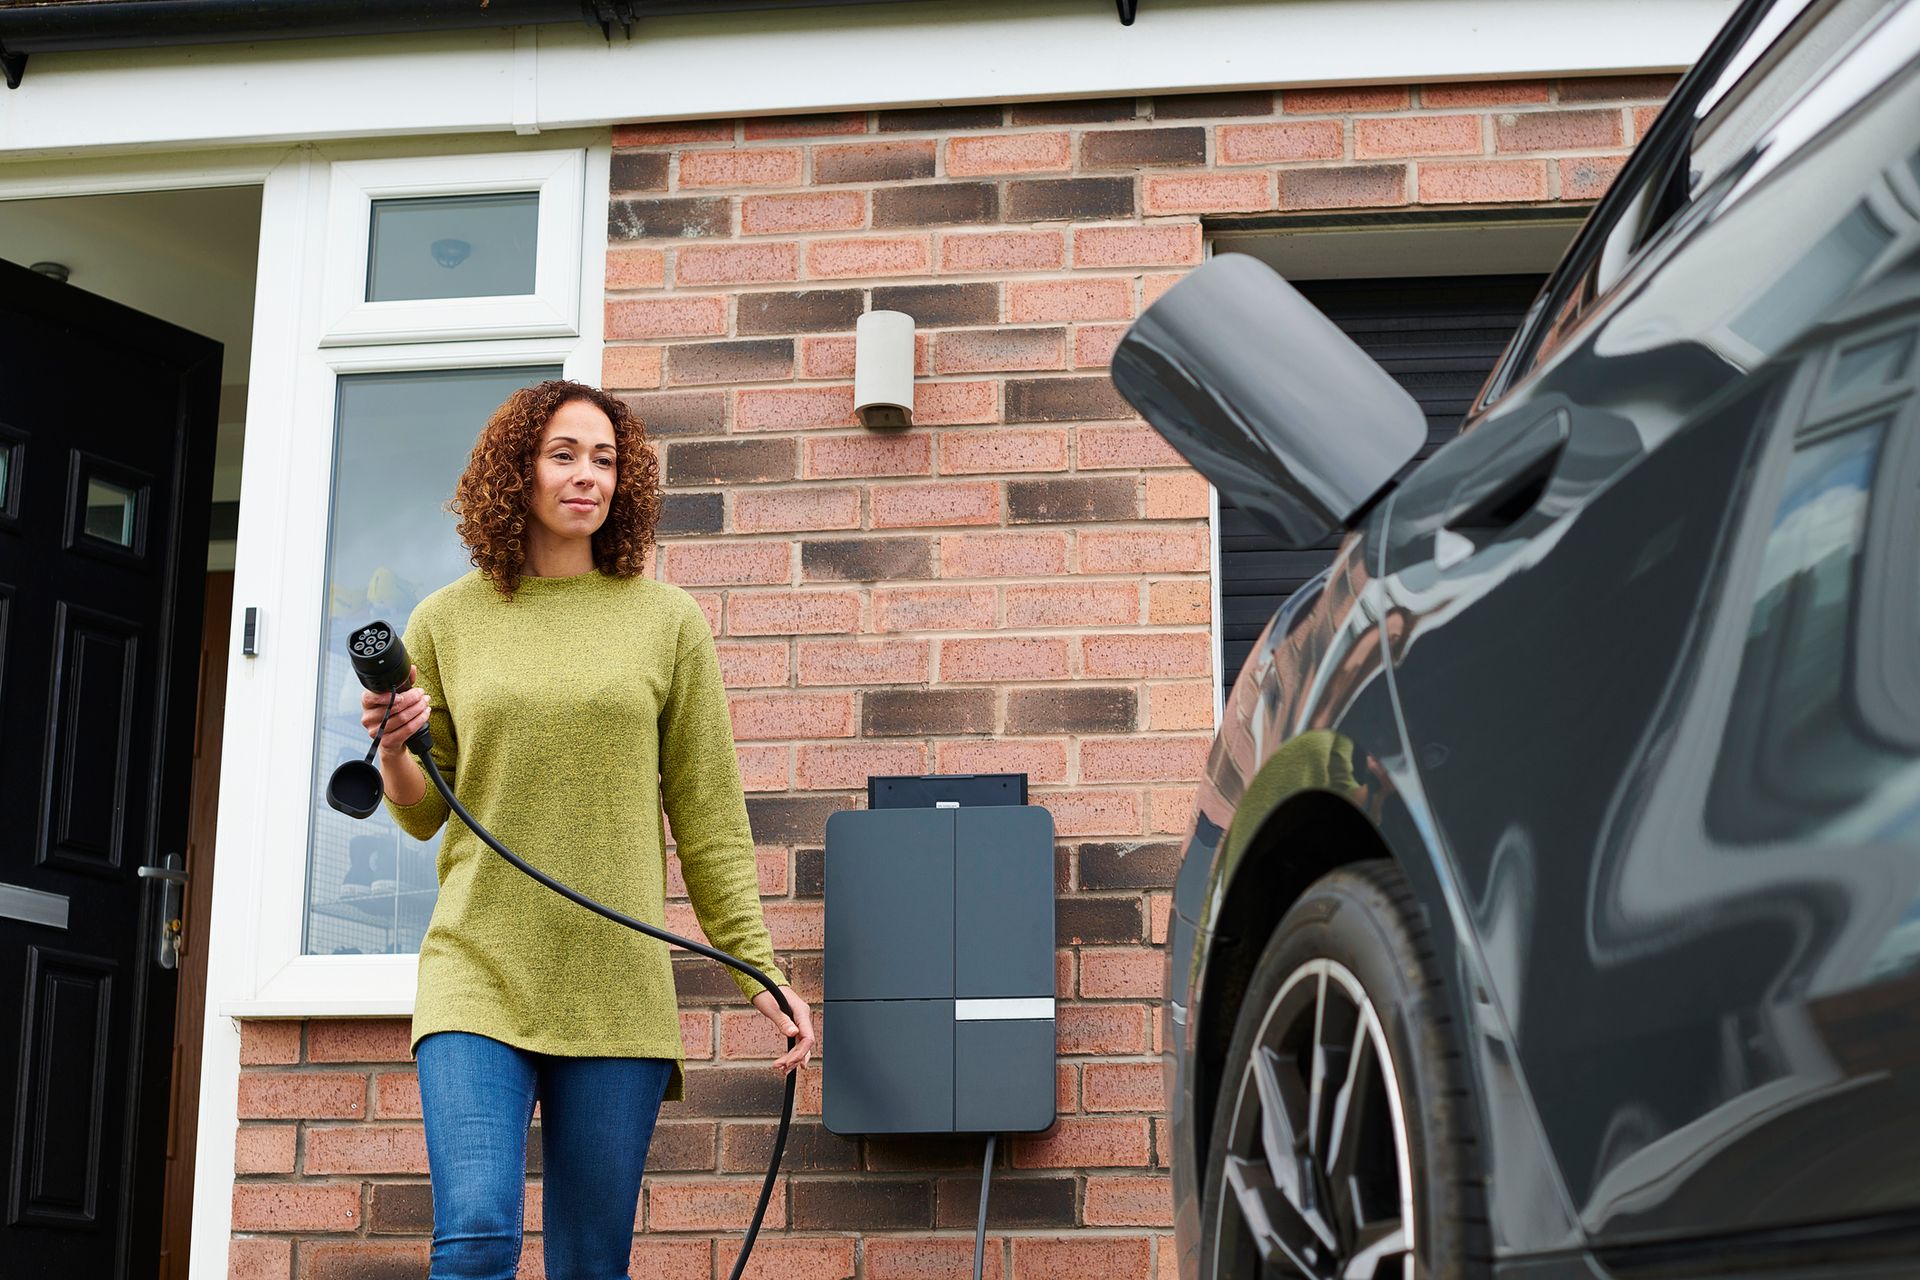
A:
[381,663]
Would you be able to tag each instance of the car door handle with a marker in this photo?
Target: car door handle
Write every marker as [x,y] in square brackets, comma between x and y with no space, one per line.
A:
[1500,492]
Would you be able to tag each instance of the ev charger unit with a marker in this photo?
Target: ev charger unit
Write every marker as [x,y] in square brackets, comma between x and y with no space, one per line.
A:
[939,982]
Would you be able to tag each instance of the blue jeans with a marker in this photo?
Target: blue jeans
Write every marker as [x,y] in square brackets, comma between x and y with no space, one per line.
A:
[596,1122]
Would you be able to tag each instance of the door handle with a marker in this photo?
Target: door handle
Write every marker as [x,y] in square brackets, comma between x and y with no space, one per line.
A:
[1500,492]
[171,878]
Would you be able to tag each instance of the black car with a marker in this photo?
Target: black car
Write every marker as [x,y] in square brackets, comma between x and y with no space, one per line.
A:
[1552,901]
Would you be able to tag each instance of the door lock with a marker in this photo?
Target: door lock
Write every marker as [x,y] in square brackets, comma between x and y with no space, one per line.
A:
[172,878]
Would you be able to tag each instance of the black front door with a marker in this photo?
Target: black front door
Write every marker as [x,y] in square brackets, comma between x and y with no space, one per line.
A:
[107,421]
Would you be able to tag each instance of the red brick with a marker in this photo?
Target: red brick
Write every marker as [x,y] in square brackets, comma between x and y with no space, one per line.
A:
[792,715]
[869,256]
[1389,136]
[803,211]
[1157,245]
[709,602]
[863,662]
[1122,973]
[708,1205]
[649,135]
[1002,555]
[788,510]
[1008,153]
[1133,1201]
[793,408]
[286,1206]
[809,126]
[743,167]
[1125,447]
[1467,183]
[1320,101]
[1557,130]
[696,1030]
[263,1148]
[1185,496]
[366,1148]
[933,608]
[630,368]
[1186,705]
[1172,809]
[267,1043]
[873,161]
[396,1095]
[1208,193]
[1152,286]
[1279,142]
[984,452]
[358,1041]
[727,564]
[1144,551]
[361,1259]
[1613,88]
[1041,760]
[1041,301]
[843,767]
[672,1259]
[930,1258]
[833,357]
[1084,1143]
[1066,1087]
[1160,907]
[764,768]
[905,454]
[1093,345]
[1143,759]
[1074,604]
[636,268]
[1101,1029]
[1643,118]
[798,1258]
[786,613]
[998,350]
[1123,1086]
[796,926]
[752,666]
[1081,1256]
[1147,655]
[674,317]
[1484,93]
[995,251]
[1004,658]
[274,1095]
[955,403]
[1343,187]
[752,263]
[1101,812]
[1588,177]
[264,1259]
[909,505]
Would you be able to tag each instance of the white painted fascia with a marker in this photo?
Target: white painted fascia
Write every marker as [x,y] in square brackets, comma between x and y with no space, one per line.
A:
[531,79]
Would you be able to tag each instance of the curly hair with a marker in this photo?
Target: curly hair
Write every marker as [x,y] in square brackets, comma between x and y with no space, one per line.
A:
[491,498]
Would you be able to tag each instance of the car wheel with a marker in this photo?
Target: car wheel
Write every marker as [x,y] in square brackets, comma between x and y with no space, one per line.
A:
[1341,1147]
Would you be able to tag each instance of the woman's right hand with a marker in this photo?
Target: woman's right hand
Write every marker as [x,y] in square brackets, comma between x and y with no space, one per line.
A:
[409,716]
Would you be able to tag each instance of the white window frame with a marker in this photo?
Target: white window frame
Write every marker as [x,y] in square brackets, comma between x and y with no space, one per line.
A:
[551,310]
[312,209]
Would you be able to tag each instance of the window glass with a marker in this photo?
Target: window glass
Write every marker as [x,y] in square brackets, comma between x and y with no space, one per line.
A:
[453,246]
[400,443]
[6,475]
[110,511]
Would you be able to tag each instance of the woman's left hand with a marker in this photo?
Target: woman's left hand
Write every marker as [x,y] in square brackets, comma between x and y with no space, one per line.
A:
[799,1026]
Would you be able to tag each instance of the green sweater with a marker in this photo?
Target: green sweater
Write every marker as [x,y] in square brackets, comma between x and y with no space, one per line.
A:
[565,718]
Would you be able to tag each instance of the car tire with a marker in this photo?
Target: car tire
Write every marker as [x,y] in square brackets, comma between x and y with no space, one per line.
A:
[1384,1180]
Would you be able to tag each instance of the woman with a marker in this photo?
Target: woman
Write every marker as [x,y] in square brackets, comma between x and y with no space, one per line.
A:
[571,698]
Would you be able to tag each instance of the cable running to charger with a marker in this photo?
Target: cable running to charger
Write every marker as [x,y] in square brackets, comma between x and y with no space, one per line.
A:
[381,663]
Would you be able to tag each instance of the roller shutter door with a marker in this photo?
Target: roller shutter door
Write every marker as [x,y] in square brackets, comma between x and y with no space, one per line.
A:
[1438,336]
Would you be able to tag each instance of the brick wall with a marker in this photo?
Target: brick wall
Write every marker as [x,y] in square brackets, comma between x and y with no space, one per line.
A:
[1020,582]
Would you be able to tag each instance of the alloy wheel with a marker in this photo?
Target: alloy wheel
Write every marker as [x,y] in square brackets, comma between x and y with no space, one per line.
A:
[1317,1166]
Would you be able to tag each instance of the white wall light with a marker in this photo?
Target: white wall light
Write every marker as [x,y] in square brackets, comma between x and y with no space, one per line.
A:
[883,369]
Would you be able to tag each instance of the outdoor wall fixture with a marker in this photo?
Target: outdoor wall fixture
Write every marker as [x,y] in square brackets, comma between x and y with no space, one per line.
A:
[52,270]
[883,369]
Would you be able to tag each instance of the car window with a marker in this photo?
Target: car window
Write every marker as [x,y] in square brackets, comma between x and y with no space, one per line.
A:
[1823,732]
[1789,45]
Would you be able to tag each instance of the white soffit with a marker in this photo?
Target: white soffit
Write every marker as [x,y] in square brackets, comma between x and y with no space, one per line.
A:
[825,59]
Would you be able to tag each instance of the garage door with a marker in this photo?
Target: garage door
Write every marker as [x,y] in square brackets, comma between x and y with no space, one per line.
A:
[1438,336]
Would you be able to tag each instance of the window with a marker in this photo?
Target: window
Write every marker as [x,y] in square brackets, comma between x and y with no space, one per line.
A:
[400,440]
[444,248]
[1706,133]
